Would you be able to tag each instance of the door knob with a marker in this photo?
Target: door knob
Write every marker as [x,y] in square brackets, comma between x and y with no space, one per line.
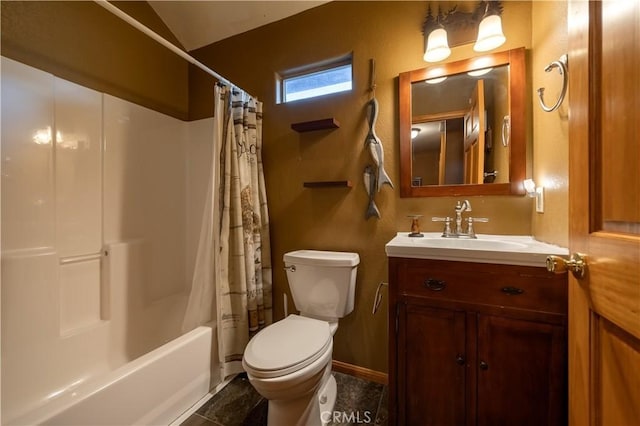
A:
[577,264]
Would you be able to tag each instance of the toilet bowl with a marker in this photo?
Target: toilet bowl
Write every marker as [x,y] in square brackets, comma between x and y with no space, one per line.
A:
[289,362]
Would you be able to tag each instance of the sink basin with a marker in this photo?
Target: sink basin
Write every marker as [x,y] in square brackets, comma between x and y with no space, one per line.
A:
[502,249]
[468,243]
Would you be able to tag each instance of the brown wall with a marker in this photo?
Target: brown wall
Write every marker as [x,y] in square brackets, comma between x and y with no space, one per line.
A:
[551,130]
[82,42]
[333,219]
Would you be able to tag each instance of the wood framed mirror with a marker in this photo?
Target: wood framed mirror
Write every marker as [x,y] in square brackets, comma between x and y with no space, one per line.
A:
[462,127]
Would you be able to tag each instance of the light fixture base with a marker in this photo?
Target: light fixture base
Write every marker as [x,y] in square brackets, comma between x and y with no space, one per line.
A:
[461,21]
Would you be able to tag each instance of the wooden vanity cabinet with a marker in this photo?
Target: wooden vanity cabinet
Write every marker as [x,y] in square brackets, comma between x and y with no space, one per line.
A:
[476,344]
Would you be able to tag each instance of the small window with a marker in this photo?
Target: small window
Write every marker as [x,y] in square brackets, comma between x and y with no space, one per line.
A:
[314,81]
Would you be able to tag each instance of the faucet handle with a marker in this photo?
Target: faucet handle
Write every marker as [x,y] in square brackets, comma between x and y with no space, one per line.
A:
[447,225]
[440,219]
[478,219]
[470,231]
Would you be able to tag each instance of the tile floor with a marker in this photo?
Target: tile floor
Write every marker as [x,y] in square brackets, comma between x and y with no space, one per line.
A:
[238,404]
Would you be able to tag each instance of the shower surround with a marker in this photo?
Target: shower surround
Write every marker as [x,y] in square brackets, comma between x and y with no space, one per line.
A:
[101,207]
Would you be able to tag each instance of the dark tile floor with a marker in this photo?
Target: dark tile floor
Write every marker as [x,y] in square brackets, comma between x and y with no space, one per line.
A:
[238,404]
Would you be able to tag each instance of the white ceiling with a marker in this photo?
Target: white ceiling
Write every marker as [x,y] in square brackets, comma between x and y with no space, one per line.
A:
[199,23]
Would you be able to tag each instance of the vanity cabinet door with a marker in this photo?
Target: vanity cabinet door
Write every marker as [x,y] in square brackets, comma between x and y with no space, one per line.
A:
[521,372]
[432,364]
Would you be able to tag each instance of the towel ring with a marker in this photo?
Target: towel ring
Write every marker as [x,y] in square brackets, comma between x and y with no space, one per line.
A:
[506,130]
[561,64]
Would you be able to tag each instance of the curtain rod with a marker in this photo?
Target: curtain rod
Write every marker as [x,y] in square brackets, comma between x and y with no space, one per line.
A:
[149,32]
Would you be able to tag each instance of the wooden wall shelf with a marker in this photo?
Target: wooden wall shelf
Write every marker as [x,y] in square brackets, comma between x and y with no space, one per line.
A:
[309,126]
[328,184]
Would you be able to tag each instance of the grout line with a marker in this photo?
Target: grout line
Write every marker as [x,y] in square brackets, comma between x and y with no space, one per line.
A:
[214,423]
[382,393]
[195,407]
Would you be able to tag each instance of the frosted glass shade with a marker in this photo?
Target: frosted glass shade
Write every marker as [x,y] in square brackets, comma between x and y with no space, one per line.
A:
[490,34]
[437,46]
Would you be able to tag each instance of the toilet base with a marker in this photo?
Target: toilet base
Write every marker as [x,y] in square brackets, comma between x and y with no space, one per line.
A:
[315,409]
[327,399]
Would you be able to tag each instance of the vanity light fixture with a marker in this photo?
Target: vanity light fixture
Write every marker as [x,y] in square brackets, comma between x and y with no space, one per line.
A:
[436,41]
[490,33]
[484,21]
[414,132]
[437,46]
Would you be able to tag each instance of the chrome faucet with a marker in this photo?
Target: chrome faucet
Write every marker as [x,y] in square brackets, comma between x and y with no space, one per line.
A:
[458,231]
[461,207]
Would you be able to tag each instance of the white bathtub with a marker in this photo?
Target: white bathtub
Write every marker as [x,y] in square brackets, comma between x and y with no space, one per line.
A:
[154,389]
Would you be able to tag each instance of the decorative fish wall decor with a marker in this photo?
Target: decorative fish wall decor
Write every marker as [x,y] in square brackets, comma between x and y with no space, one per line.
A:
[375,146]
[370,186]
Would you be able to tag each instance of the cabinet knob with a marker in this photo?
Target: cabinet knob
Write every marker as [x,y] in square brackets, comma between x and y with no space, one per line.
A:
[435,285]
[460,359]
[484,365]
[512,291]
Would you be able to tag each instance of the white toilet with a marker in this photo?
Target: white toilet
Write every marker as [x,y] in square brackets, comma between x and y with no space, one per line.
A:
[289,362]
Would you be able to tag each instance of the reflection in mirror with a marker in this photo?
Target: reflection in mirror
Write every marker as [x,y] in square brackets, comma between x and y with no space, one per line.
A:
[462,127]
[448,152]
[437,152]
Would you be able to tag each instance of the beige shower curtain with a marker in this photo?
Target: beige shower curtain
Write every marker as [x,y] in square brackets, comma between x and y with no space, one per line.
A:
[243,262]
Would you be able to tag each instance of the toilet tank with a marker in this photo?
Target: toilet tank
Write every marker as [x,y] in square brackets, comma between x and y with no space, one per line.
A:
[322,283]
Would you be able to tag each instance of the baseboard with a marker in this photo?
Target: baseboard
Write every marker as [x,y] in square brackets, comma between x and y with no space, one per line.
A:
[360,372]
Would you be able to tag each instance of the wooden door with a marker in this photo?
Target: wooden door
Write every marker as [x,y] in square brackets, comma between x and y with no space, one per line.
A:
[442,159]
[475,127]
[431,366]
[521,372]
[604,209]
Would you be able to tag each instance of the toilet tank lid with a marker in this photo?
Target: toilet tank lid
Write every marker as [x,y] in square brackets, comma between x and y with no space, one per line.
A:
[322,258]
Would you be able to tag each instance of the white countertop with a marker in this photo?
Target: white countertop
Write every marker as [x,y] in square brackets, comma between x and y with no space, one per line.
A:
[501,249]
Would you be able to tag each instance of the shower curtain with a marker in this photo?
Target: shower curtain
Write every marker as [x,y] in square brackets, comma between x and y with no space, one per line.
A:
[233,263]
[201,307]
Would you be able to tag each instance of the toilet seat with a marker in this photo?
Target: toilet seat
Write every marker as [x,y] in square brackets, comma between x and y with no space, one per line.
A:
[287,346]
